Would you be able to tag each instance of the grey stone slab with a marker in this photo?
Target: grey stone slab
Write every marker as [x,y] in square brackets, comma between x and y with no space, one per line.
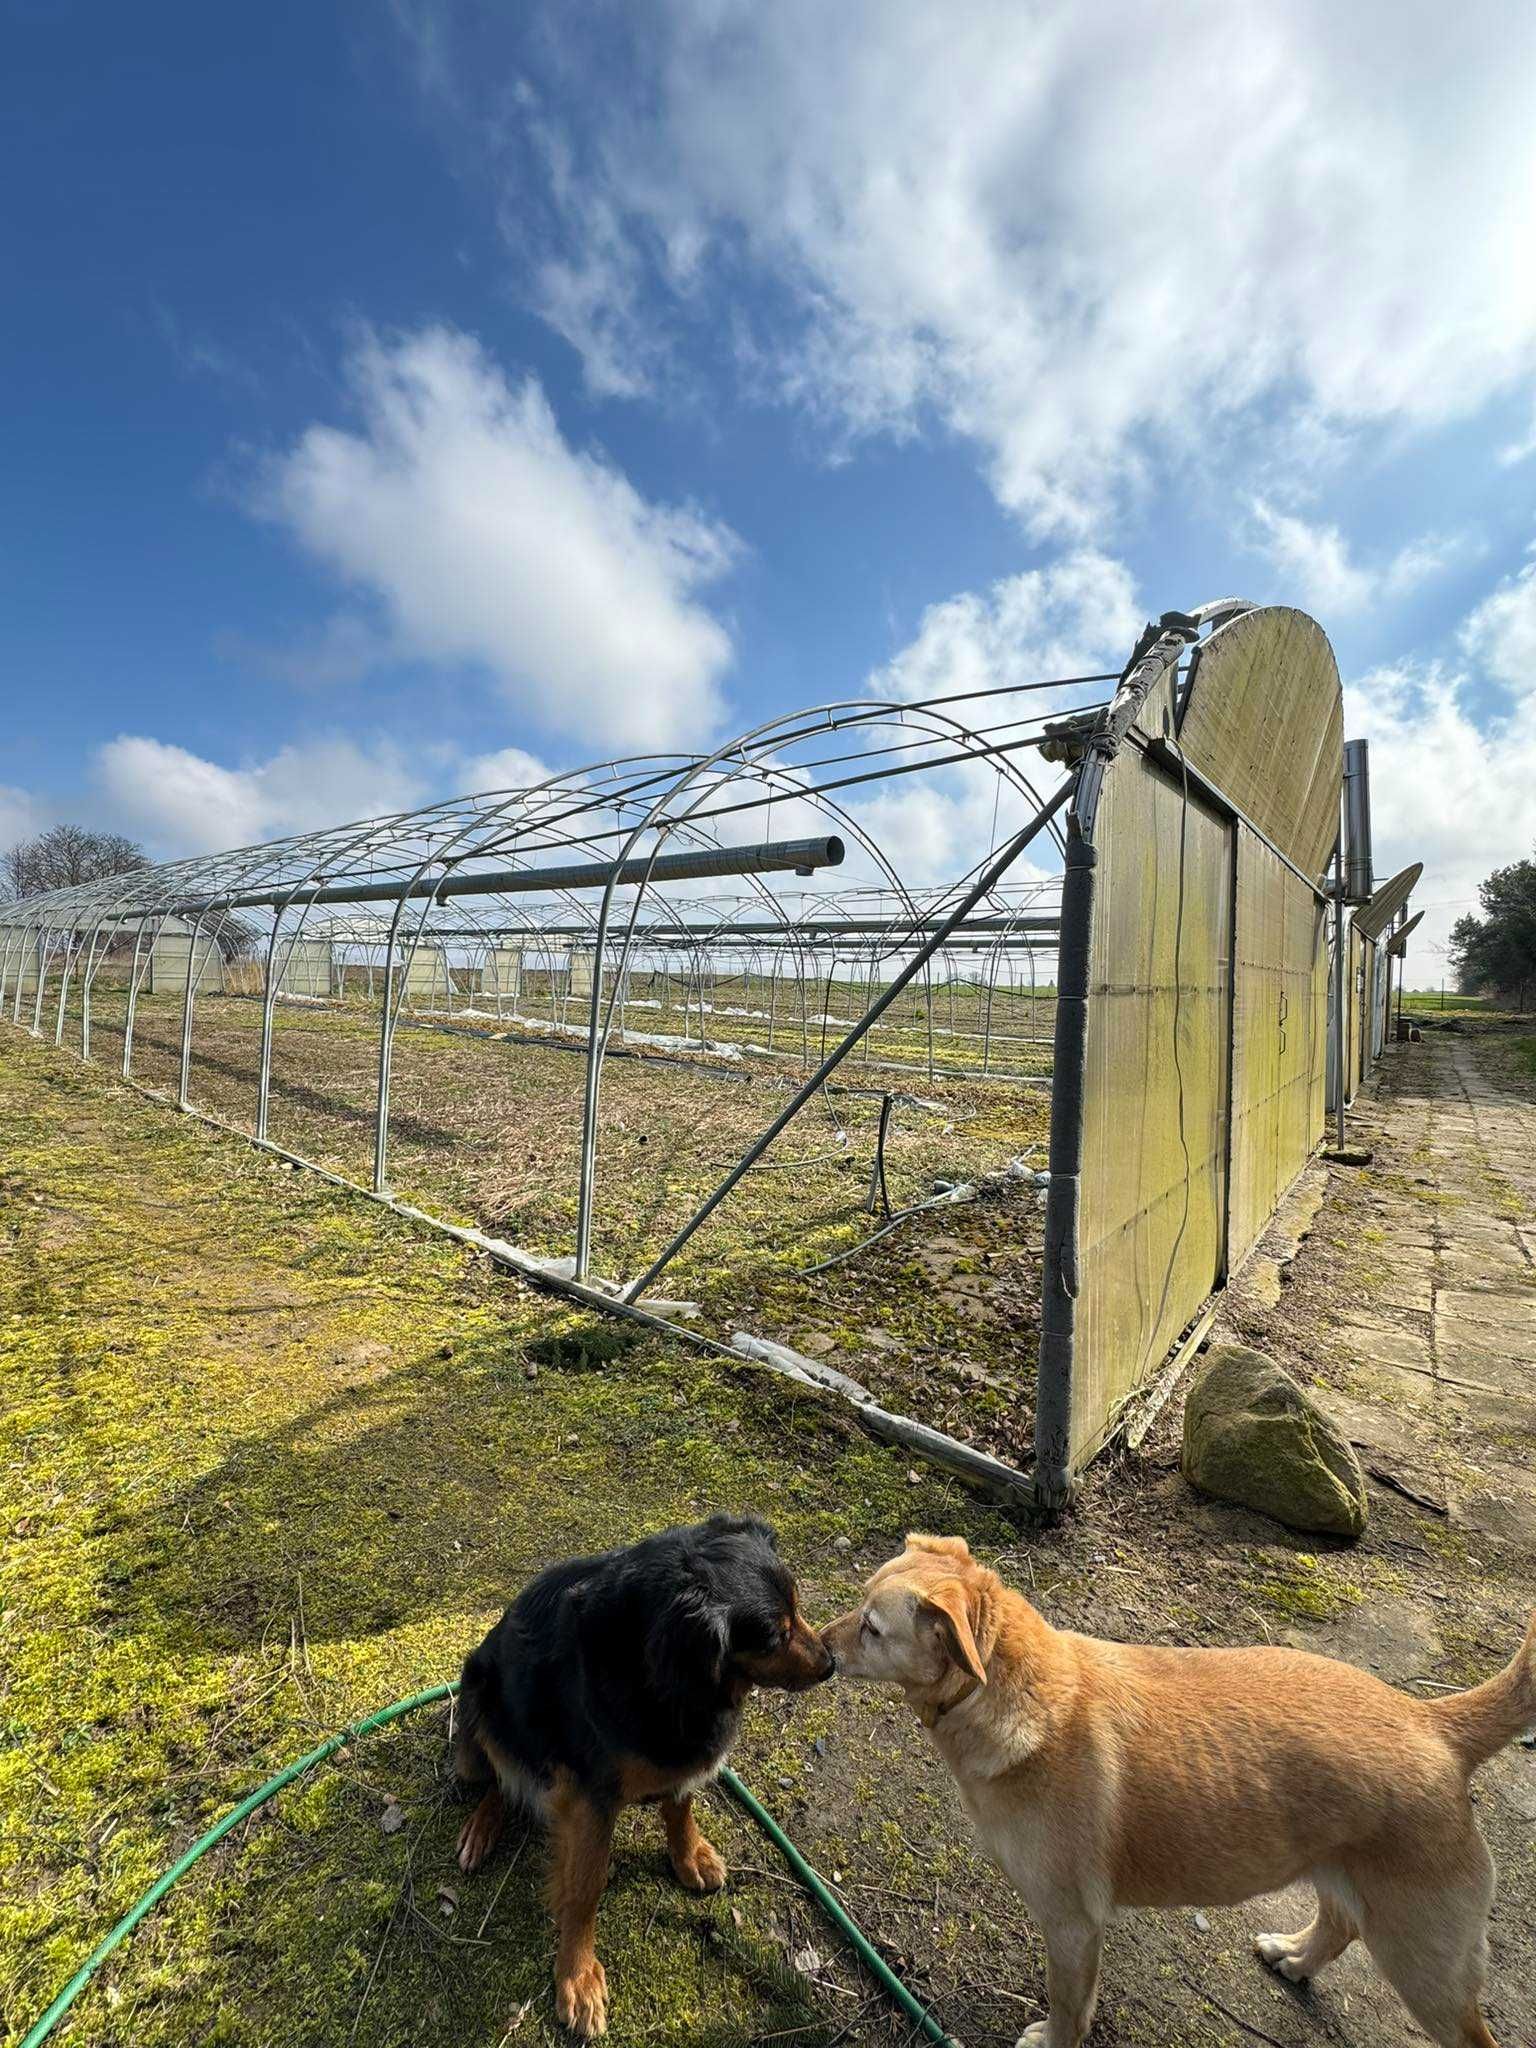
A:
[1504,1413]
[1385,1343]
[1485,1354]
[1490,1266]
[1502,1309]
[1382,1430]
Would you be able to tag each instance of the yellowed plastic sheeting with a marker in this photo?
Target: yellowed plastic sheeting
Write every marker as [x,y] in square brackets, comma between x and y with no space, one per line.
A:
[1264,722]
[1279,1051]
[1361,964]
[1153,1188]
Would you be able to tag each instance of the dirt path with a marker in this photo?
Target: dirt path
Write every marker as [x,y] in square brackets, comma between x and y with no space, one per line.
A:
[1408,1292]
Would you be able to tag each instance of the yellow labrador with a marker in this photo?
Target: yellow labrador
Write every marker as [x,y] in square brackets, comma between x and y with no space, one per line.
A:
[1100,1775]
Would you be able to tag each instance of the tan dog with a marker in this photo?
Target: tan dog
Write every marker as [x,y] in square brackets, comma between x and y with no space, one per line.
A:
[1100,1775]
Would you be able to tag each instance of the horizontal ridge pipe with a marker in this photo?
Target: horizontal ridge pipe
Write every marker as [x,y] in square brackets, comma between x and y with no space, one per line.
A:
[798,856]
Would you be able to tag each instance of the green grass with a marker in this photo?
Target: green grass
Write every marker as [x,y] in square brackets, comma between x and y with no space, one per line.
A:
[1450,1001]
[269,1460]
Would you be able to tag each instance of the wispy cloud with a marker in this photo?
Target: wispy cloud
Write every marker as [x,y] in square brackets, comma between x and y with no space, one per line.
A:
[1450,785]
[484,538]
[179,802]
[1320,570]
[986,215]
[1073,617]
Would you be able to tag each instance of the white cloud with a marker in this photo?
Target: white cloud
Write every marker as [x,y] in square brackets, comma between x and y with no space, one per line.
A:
[507,768]
[485,538]
[1501,633]
[1319,569]
[1076,616]
[989,214]
[21,815]
[935,829]
[180,803]
[1450,785]
[1521,450]
[1316,559]
[183,803]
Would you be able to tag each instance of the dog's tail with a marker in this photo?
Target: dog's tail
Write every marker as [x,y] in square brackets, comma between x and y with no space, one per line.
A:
[1478,1724]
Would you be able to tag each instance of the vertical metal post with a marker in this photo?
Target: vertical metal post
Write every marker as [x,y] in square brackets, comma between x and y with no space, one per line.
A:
[30,940]
[386,1056]
[44,948]
[134,973]
[92,962]
[268,1005]
[1343,992]
[71,949]
[1059,1288]
[596,1046]
[188,991]
[15,949]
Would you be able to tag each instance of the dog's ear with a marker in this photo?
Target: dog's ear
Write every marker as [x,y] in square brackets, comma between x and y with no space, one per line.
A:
[950,1607]
[692,1635]
[941,1546]
[743,1525]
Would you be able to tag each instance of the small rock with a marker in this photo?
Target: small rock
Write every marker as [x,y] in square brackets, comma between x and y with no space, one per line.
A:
[786,1784]
[843,1543]
[1202,1923]
[914,1479]
[1251,1435]
[530,1372]
[807,1961]
[1349,1155]
[820,1745]
[392,1819]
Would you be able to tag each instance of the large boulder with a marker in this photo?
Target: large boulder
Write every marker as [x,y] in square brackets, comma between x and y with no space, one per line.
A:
[1251,1435]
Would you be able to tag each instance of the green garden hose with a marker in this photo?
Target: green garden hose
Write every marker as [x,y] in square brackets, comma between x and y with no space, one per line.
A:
[823,1896]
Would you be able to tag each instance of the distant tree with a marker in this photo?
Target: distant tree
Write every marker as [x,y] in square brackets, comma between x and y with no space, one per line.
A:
[65,855]
[1496,953]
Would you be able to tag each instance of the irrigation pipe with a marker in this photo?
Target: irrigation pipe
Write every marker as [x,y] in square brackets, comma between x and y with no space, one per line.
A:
[829,1904]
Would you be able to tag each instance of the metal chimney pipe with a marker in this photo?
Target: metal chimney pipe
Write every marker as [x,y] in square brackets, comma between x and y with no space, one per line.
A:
[1357,821]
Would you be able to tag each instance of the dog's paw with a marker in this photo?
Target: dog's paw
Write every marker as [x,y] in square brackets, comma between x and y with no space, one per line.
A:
[703,1870]
[1035,2036]
[581,2000]
[477,1838]
[1279,1951]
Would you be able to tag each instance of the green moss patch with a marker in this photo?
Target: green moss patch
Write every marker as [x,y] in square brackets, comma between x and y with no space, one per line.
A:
[268,1460]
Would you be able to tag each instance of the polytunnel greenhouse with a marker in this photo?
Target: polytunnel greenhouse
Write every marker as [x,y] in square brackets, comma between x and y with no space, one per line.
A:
[947,1055]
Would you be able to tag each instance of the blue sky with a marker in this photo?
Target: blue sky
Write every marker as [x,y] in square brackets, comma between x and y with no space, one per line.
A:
[397,393]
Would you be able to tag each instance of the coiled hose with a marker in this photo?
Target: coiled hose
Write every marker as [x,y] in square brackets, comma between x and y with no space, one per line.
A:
[830,1905]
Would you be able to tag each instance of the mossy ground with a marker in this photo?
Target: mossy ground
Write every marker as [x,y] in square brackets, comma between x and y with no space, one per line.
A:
[486,1130]
[269,1461]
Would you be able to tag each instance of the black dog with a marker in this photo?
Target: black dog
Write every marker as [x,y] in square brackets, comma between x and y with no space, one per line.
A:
[617,1679]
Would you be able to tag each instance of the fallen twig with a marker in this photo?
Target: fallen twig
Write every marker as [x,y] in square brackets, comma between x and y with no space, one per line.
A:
[1237,2019]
